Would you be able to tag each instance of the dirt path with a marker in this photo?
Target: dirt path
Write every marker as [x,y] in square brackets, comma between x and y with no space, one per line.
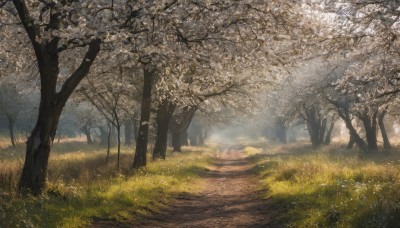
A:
[228,199]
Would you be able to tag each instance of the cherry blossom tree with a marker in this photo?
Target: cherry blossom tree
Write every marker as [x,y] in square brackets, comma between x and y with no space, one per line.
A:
[55,30]
[181,41]
[88,118]
[111,93]
[214,34]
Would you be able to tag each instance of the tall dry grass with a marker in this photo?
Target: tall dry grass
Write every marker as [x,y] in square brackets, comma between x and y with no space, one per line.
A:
[331,186]
[82,187]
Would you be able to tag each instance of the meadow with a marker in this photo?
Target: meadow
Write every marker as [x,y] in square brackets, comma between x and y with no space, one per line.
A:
[329,186]
[82,188]
[324,187]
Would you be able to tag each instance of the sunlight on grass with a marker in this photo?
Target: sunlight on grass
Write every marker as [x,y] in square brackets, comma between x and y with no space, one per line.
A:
[331,187]
[249,150]
[82,188]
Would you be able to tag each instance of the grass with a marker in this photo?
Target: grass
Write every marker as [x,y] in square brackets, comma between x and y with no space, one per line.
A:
[251,151]
[82,188]
[331,187]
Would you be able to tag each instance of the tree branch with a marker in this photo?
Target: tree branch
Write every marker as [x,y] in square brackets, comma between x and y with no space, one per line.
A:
[72,82]
[28,23]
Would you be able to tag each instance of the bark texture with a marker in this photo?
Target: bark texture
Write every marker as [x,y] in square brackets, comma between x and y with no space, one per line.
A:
[164,114]
[370,127]
[179,125]
[143,137]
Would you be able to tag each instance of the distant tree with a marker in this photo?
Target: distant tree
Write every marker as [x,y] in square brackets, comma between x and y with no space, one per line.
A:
[110,93]
[88,118]
[366,34]
[11,104]
[300,100]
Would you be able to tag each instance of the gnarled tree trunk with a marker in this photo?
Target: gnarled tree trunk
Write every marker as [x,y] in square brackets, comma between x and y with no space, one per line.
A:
[353,132]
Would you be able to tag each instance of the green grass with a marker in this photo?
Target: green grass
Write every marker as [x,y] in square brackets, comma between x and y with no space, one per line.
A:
[331,187]
[82,188]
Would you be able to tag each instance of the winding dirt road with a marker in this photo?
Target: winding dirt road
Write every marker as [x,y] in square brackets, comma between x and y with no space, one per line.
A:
[228,199]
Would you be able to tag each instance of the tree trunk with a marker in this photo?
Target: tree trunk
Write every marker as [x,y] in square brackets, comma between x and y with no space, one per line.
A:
[370,131]
[113,134]
[143,137]
[353,132]
[280,131]
[86,131]
[316,125]
[176,141]
[386,142]
[164,114]
[201,138]
[193,138]
[195,131]
[33,175]
[103,136]
[169,138]
[313,136]
[184,138]
[351,142]
[135,130]
[118,145]
[322,130]
[11,123]
[108,142]
[316,132]
[328,135]
[179,125]
[89,137]
[128,133]
[34,171]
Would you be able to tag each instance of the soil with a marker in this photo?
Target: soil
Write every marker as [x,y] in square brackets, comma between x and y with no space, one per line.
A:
[228,198]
